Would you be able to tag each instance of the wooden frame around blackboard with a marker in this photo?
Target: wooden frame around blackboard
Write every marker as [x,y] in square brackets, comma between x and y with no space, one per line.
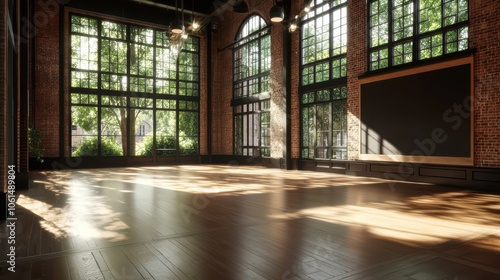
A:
[448,160]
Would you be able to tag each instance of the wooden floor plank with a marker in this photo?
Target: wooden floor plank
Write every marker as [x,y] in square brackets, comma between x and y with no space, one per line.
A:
[141,256]
[120,266]
[84,266]
[53,269]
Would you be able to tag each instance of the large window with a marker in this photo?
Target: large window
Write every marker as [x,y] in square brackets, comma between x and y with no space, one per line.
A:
[323,81]
[404,31]
[251,98]
[129,95]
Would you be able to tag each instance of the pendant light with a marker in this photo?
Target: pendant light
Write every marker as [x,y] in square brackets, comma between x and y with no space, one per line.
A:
[240,7]
[277,13]
[176,26]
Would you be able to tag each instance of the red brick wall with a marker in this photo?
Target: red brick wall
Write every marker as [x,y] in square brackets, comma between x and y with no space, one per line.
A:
[46,87]
[356,65]
[3,94]
[203,96]
[295,82]
[484,32]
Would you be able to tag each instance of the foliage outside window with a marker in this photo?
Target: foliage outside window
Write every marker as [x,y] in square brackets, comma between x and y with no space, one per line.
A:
[323,81]
[128,96]
[251,87]
[404,31]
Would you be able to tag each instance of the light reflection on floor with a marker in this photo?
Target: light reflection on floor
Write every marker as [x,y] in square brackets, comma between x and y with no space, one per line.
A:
[86,210]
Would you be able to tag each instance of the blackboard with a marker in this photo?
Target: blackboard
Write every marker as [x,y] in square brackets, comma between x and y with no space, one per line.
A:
[421,114]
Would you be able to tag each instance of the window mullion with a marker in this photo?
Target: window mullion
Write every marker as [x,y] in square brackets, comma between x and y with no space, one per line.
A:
[390,45]
[416,31]
[99,87]
[330,128]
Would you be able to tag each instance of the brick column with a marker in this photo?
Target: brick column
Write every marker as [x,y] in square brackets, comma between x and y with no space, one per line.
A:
[356,65]
[484,32]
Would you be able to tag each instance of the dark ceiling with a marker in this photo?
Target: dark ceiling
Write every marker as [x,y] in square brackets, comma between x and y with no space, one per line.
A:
[200,6]
[153,11]
[156,11]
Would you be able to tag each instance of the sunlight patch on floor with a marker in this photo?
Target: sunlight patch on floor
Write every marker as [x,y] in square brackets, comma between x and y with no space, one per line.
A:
[98,221]
[423,219]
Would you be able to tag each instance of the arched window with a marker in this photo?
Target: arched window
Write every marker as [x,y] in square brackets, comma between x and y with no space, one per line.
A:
[323,82]
[251,97]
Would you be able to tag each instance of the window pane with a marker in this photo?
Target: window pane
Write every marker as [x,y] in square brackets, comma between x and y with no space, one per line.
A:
[402,53]
[83,25]
[188,133]
[113,30]
[430,15]
[340,93]
[84,131]
[113,56]
[84,53]
[379,22]
[166,130]
[322,72]
[339,68]
[113,131]
[339,31]
[238,135]
[143,131]
[308,127]
[402,16]
[141,60]
[322,124]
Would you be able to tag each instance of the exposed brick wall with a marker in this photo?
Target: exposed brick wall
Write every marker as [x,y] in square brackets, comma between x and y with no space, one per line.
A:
[484,32]
[3,94]
[295,82]
[203,96]
[67,106]
[222,122]
[356,65]
[46,91]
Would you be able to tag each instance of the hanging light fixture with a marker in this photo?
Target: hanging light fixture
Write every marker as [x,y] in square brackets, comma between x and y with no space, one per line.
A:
[177,26]
[294,24]
[177,34]
[308,6]
[240,7]
[277,13]
[194,25]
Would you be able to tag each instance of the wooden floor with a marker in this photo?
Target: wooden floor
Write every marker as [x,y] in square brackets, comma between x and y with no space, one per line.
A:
[222,222]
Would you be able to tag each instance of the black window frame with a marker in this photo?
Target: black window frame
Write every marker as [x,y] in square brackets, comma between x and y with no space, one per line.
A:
[100,93]
[250,108]
[416,37]
[329,85]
